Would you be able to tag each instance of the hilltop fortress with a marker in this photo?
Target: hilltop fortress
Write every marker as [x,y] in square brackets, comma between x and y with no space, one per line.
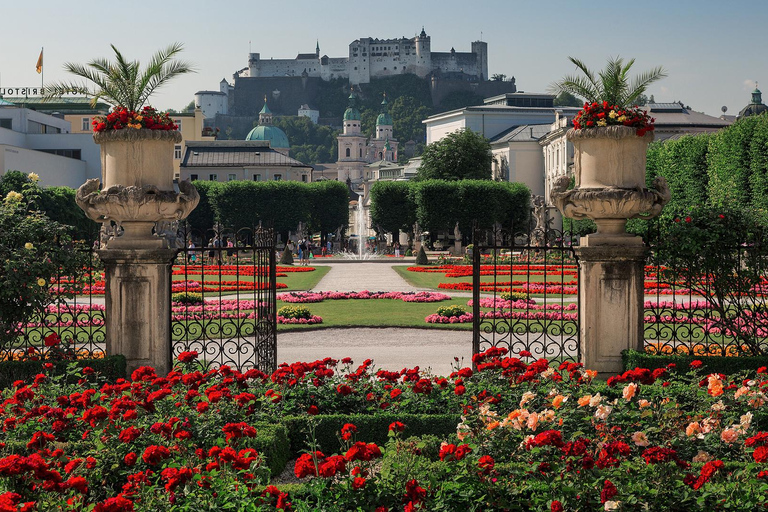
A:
[375,58]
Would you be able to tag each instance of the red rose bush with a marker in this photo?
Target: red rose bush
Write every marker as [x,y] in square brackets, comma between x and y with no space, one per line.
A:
[528,435]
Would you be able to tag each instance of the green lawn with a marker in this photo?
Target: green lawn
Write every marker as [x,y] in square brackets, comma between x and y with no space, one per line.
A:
[433,279]
[294,280]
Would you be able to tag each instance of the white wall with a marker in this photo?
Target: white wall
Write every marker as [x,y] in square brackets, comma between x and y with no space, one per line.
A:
[54,171]
[90,153]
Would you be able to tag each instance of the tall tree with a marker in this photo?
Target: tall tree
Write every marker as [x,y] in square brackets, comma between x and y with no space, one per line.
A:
[122,82]
[566,99]
[460,155]
[612,84]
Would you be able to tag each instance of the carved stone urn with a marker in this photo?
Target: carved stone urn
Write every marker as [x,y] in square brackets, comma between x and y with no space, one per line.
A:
[609,168]
[137,187]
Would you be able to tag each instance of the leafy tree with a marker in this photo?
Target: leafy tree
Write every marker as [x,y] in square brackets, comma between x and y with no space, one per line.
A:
[33,250]
[566,99]
[203,217]
[459,99]
[122,82]
[460,155]
[190,107]
[392,206]
[498,77]
[611,84]
[728,163]
[329,206]
[407,116]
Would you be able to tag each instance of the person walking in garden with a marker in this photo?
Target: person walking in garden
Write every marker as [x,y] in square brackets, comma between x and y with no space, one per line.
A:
[303,257]
[231,252]
[396,246]
[191,252]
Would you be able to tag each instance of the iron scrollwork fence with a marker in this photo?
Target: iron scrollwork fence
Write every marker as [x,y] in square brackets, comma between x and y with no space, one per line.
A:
[224,297]
[71,325]
[535,308]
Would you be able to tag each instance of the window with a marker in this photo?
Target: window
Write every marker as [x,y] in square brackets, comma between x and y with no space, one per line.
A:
[278,177]
[6,123]
[178,123]
[213,177]
[348,152]
[177,152]
[257,177]
[231,177]
[193,177]
[86,124]
[361,152]
[68,153]
[304,178]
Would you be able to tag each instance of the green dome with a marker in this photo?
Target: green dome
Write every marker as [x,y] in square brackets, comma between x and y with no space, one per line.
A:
[384,119]
[275,136]
[351,114]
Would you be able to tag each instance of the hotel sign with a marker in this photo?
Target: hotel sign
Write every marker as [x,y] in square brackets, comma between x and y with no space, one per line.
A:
[21,91]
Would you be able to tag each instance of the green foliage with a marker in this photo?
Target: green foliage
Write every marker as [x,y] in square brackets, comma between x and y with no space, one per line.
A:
[122,82]
[294,312]
[450,311]
[190,298]
[33,250]
[460,155]
[440,204]
[720,254]
[728,162]
[631,359]
[57,203]
[612,84]
[566,99]
[204,215]
[459,99]
[110,367]
[329,205]
[514,296]
[392,206]
[421,258]
[287,257]
[310,143]
[272,443]
[373,428]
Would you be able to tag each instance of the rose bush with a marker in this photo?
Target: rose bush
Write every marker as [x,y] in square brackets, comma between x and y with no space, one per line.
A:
[533,436]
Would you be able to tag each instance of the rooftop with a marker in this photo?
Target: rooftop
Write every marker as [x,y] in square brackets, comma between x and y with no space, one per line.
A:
[235,153]
[522,133]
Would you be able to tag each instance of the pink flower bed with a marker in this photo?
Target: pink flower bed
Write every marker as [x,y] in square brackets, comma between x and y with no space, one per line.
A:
[314,319]
[308,297]
[522,304]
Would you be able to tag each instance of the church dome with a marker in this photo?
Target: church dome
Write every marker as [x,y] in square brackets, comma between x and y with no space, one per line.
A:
[351,114]
[755,107]
[384,119]
[276,137]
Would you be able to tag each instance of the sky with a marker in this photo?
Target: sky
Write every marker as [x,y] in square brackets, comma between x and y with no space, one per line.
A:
[713,51]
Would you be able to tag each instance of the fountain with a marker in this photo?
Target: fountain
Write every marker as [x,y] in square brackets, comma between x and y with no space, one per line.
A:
[362,253]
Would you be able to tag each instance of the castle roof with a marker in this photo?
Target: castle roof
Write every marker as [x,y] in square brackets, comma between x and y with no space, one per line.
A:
[756,106]
[384,118]
[352,114]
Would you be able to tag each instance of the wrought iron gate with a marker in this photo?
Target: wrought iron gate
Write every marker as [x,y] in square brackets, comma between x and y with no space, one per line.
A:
[540,314]
[228,313]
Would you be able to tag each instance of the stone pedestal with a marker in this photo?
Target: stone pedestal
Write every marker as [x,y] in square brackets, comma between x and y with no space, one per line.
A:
[138,306]
[610,301]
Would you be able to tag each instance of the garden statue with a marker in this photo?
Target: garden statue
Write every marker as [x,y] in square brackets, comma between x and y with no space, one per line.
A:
[417,237]
[457,240]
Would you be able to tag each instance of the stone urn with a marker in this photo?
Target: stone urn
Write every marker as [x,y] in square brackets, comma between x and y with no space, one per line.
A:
[609,168]
[137,189]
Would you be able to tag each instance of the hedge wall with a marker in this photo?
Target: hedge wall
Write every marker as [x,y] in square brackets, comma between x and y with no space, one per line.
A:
[111,367]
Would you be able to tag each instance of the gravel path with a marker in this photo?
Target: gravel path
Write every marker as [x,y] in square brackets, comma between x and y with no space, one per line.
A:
[390,348]
[359,276]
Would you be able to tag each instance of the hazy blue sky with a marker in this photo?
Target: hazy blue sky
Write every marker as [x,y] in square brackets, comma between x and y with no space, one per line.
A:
[712,50]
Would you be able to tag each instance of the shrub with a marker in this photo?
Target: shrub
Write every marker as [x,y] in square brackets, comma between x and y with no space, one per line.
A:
[110,367]
[450,311]
[294,312]
[421,258]
[286,258]
[187,298]
[514,296]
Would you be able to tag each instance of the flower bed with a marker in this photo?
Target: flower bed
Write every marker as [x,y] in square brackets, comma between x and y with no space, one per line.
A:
[308,297]
[531,437]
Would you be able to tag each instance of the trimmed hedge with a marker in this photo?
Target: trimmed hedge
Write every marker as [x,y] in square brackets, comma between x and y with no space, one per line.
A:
[421,258]
[272,442]
[111,367]
[710,364]
[370,428]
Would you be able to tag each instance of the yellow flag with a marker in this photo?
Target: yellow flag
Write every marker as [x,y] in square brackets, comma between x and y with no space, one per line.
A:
[39,67]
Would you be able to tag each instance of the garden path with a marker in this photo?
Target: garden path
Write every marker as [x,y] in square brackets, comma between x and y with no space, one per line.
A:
[359,276]
[390,348]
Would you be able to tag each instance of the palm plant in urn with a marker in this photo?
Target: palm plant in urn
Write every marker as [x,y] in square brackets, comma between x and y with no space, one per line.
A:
[137,142]
[610,136]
